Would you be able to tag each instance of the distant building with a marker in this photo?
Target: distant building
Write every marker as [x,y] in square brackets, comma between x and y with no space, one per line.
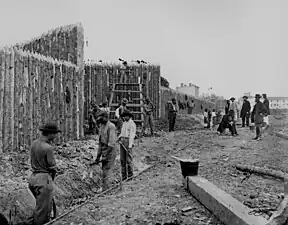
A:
[190,89]
[278,102]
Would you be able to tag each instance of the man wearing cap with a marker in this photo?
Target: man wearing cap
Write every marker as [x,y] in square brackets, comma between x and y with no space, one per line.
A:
[118,113]
[107,147]
[126,140]
[43,173]
[259,111]
[245,111]
[148,117]
[172,113]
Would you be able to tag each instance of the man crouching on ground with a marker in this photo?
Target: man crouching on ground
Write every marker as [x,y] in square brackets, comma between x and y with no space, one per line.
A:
[126,140]
[43,173]
[107,147]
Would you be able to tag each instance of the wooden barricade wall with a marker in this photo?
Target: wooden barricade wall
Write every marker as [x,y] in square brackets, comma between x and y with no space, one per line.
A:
[65,43]
[167,94]
[33,91]
[98,78]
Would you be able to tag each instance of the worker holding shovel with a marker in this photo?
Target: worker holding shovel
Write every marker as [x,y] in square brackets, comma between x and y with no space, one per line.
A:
[126,140]
[107,147]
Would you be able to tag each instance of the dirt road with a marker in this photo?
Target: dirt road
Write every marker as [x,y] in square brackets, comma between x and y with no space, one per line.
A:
[157,195]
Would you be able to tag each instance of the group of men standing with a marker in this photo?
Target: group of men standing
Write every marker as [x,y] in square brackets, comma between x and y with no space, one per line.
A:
[258,116]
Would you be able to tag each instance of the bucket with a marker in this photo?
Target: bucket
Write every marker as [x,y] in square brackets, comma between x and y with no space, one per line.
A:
[189,168]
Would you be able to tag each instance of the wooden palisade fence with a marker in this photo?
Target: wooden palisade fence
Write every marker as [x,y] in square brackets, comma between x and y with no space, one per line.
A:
[99,78]
[35,89]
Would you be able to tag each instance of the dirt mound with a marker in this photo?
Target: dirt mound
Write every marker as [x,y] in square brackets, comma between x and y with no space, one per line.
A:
[182,123]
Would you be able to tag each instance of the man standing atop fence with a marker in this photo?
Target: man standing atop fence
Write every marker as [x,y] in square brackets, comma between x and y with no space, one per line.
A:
[172,112]
[107,147]
[43,173]
[148,117]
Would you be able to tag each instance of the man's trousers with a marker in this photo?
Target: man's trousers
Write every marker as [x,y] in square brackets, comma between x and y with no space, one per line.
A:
[41,186]
[126,159]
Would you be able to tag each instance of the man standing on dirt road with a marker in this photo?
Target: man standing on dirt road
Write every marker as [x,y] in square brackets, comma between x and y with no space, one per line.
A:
[107,147]
[126,140]
[172,112]
[245,111]
[148,117]
[43,173]
[259,111]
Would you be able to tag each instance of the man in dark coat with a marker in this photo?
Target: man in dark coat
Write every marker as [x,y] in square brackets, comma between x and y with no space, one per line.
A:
[266,103]
[227,106]
[172,112]
[227,122]
[259,111]
[43,173]
[245,111]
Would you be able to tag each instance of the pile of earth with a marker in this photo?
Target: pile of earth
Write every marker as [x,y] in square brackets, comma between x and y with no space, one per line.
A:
[73,183]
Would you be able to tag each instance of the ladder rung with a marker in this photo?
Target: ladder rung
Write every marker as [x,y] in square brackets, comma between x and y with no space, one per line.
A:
[112,120]
[127,84]
[126,91]
[128,105]
[131,112]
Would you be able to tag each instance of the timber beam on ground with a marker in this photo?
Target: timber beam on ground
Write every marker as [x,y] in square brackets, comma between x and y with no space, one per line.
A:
[281,135]
[226,208]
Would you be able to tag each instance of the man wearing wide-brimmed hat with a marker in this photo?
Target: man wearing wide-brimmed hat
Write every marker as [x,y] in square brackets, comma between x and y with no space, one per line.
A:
[43,173]
[259,111]
[245,111]
[126,140]
[107,147]
[234,108]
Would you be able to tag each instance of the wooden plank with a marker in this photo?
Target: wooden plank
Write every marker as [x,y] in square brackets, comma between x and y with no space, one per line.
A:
[16,99]
[62,103]
[7,103]
[226,208]
[12,88]
[21,104]
[26,134]
[77,106]
[56,97]
[34,96]
[30,97]
[38,97]
[71,105]
[2,94]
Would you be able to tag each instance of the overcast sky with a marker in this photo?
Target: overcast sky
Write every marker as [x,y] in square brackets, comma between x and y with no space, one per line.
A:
[234,46]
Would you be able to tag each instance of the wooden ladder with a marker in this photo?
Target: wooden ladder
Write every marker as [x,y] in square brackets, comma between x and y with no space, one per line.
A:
[133,93]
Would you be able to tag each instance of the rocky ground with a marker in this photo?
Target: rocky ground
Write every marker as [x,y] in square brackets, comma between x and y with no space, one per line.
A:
[156,195]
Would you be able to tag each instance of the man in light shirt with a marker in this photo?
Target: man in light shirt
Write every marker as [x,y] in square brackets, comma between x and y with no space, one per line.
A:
[126,140]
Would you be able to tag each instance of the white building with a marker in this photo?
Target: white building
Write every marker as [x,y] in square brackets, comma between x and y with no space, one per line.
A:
[190,89]
[278,102]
